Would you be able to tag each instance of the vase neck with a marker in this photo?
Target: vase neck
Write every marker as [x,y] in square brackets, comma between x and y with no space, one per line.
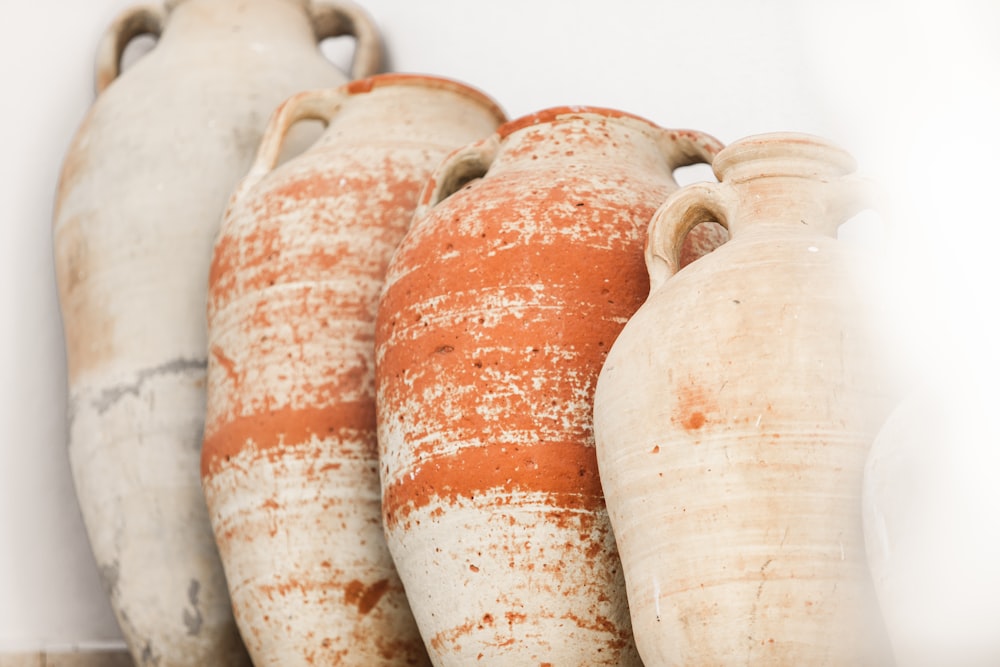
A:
[240,20]
[171,5]
[789,179]
[410,110]
[801,204]
[570,140]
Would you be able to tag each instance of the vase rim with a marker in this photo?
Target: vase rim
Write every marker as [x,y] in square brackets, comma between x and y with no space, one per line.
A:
[791,149]
[556,114]
[170,5]
[368,84]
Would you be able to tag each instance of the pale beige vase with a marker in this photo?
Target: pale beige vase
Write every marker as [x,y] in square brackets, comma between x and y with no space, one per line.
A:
[732,419]
[142,190]
[290,461]
[930,499]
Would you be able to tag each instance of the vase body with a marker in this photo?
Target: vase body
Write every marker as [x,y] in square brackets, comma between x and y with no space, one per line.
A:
[733,416]
[141,193]
[290,461]
[499,306]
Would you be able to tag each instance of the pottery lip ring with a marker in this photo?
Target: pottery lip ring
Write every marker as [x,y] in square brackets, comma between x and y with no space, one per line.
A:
[557,114]
[782,154]
[171,5]
[428,81]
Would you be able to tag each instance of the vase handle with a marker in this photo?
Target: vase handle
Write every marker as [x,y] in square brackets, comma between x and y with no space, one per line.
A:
[334,19]
[458,168]
[683,211]
[135,21]
[854,194]
[682,148]
[321,105]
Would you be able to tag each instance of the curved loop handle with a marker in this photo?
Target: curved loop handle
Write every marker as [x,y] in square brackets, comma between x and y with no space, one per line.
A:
[458,168]
[321,105]
[854,194]
[682,148]
[344,18]
[135,21]
[688,207]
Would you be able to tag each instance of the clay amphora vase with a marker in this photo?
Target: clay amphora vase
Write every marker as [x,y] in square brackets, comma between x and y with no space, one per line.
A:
[290,462]
[142,191]
[733,416]
[499,307]
[930,499]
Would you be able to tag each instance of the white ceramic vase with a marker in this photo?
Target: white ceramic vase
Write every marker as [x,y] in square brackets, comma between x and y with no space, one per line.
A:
[933,541]
[141,194]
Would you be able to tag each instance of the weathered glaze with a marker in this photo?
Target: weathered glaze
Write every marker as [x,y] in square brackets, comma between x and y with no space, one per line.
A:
[498,310]
[142,190]
[733,416]
[290,462]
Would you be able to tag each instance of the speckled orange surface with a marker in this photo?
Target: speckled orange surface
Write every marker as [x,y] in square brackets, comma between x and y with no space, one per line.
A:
[500,305]
[289,460]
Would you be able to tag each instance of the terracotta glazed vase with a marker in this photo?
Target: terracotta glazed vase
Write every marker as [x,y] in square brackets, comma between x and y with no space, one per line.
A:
[142,190]
[290,461]
[499,307]
[733,416]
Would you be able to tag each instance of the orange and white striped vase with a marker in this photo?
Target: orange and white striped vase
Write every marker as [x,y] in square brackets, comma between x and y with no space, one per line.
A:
[289,462]
[499,307]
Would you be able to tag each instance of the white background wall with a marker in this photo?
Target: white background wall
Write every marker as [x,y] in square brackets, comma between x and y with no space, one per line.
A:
[909,87]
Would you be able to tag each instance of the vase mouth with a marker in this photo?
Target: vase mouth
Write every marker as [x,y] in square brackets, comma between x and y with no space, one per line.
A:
[170,5]
[782,154]
[561,113]
[427,81]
